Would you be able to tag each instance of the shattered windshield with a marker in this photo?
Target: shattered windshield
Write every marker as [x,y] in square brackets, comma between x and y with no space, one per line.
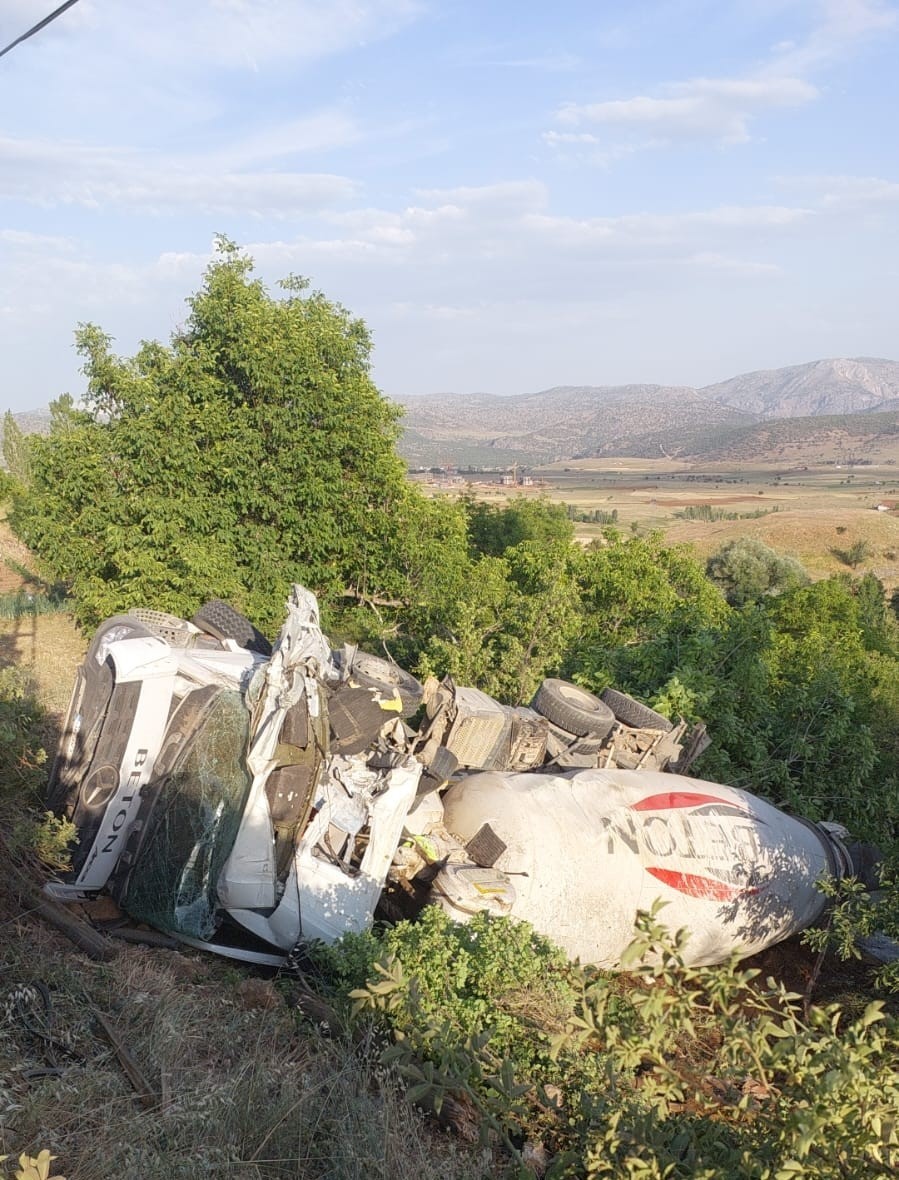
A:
[192,827]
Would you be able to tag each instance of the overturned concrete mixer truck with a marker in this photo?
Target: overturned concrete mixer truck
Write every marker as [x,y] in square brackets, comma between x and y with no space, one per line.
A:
[244,798]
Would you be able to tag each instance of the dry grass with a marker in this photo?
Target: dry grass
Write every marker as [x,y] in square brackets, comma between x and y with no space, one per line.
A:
[811,535]
[243,1090]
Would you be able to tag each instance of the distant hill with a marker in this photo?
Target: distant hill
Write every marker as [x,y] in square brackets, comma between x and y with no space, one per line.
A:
[821,387]
[561,423]
[571,422]
[831,437]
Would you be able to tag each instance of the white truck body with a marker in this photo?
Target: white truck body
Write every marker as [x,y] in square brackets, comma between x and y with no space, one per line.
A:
[588,849]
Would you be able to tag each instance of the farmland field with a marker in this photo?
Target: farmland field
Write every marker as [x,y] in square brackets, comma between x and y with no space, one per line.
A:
[813,513]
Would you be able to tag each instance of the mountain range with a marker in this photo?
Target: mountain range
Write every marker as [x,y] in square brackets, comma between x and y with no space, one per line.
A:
[844,403]
[585,421]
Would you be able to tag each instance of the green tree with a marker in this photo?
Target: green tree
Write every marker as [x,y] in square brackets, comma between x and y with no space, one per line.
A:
[512,622]
[251,452]
[857,552]
[493,528]
[747,570]
[800,703]
[639,600]
[15,448]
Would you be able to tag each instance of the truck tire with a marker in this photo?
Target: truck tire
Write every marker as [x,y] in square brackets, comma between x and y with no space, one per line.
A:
[370,671]
[222,621]
[634,713]
[573,709]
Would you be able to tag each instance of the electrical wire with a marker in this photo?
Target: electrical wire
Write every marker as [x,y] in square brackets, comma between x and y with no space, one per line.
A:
[41,24]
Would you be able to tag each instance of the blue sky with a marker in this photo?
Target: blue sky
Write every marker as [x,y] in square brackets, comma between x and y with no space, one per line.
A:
[512,195]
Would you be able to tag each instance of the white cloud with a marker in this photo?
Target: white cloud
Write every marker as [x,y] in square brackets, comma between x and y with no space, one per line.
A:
[724,110]
[740,268]
[320,130]
[549,63]
[237,34]
[25,240]
[463,248]
[637,229]
[833,192]
[241,32]
[555,138]
[841,26]
[58,173]
[504,196]
[716,108]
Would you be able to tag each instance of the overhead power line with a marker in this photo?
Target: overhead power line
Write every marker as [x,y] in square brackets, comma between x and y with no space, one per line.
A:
[41,24]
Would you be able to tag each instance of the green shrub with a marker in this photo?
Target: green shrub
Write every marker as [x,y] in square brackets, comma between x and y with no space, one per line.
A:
[17,604]
[684,1072]
[47,837]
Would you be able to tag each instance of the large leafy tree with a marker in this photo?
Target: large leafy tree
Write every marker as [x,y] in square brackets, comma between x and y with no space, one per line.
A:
[251,452]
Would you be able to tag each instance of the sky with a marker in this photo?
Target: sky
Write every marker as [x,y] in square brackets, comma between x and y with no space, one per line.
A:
[512,195]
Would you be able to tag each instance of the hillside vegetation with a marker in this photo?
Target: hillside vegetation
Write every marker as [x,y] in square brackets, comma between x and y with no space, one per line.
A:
[252,451]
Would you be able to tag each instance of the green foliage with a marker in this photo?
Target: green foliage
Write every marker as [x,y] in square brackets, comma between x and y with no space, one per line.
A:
[22,755]
[472,1006]
[634,591]
[747,570]
[36,597]
[252,452]
[491,972]
[342,966]
[800,703]
[709,512]
[47,837]
[879,633]
[857,913]
[592,516]
[17,604]
[856,553]
[512,620]
[492,529]
[15,452]
[688,1072]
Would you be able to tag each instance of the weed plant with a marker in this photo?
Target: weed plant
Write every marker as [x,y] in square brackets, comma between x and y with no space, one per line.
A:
[22,756]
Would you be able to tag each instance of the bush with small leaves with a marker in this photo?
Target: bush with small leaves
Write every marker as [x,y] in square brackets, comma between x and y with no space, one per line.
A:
[678,1073]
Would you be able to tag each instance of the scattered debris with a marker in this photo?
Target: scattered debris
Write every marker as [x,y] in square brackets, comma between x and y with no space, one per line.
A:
[145,1092]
